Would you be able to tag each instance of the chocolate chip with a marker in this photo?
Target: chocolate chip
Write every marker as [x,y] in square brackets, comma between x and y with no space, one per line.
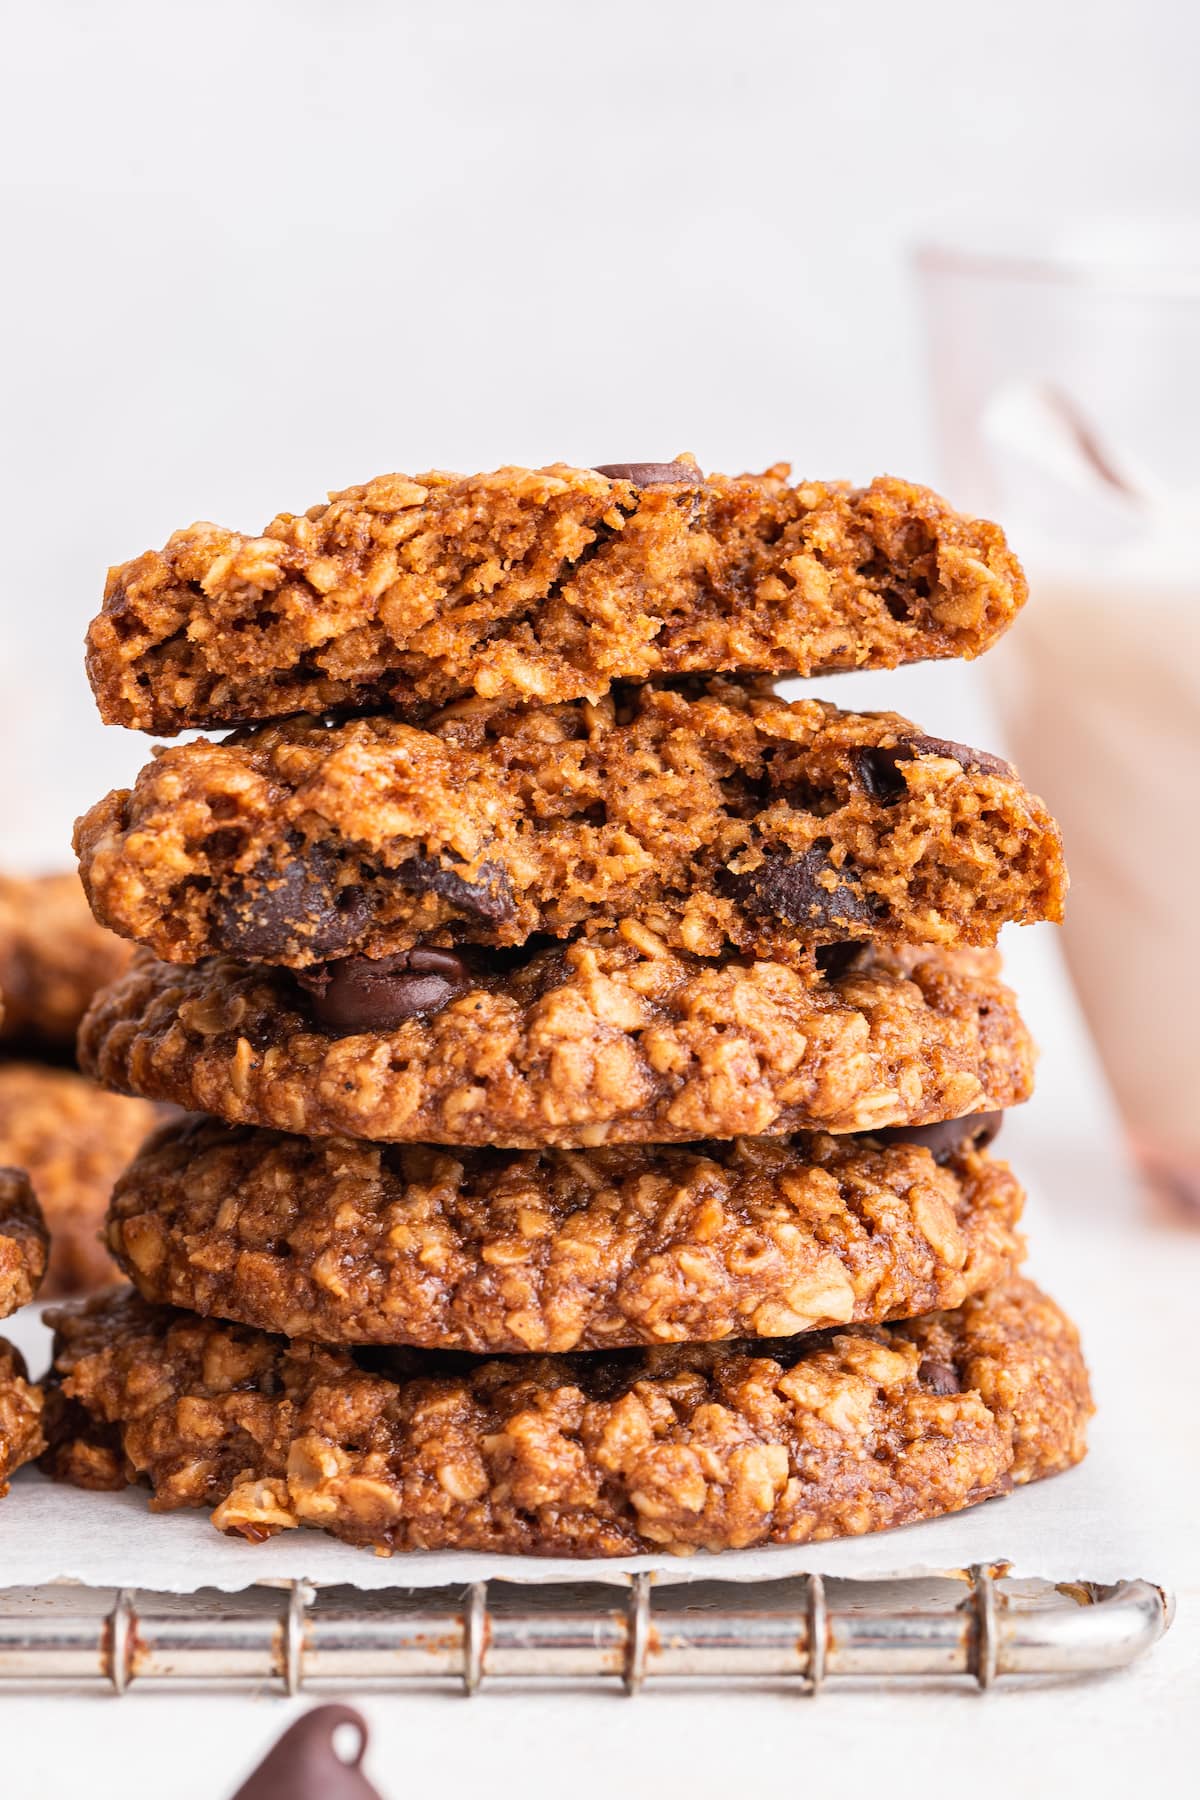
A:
[305,1764]
[272,907]
[787,886]
[939,1377]
[488,898]
[878,766]
[361,994]
[950,1137]
[652,474]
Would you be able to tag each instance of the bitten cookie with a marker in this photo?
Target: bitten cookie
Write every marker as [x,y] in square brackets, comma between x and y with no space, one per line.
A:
[687,1448]
[74,1140]
[53,957]
[616,1040]
[496,1251]
[722,817]
[543,584]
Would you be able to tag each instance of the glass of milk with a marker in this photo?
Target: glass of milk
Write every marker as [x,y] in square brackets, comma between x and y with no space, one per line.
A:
[1066,389]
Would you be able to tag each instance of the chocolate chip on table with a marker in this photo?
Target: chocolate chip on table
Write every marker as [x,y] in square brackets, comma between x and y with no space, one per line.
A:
[788,886]
[261,913]
[939,1377]
[879,766]
[652,474]
[304,1763]
[364,994]
[488,898]
[949,1137]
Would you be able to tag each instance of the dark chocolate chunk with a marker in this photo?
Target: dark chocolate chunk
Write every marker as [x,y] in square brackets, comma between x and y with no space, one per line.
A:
[787,886]
[948,1138]
[939,1377]
[652,474]
[879,767]
[275,906]
[489,898]
[304,1764]
[361,994]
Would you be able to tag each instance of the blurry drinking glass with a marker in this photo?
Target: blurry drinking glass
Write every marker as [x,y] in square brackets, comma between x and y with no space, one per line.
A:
[1066,386]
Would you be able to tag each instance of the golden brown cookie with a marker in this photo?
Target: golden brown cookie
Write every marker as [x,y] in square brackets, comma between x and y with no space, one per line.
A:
[542,584]
[502,1251]
[616,1040]
[74,1140]
[24,1241]
[726,816]
[53,957]
[684,1448]
[21,1415]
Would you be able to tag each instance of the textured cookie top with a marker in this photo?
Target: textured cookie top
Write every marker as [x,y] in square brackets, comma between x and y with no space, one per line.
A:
[614,1040]
[74,1140]
[545,584]
[21,1414]
[722,817]
[497,1251]
[689,1447]
[23,1241]
[53,957]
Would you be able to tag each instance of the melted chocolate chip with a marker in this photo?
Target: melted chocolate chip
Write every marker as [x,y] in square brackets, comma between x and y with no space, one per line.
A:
[304,1765]
[261,913]
[789,887]
[489,898]
[948,1138]
[879,768]
[652,474]
[361,994]
[939,1377]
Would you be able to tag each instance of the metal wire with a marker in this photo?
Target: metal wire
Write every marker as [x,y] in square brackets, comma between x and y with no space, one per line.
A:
[802,1630]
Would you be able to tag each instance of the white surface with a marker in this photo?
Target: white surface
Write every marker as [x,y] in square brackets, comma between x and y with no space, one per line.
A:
[257,250]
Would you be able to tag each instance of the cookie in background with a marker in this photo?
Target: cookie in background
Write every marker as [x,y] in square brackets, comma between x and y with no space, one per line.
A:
[71,1137]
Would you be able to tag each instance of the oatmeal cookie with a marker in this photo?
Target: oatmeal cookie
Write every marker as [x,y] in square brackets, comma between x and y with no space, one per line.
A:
[725,817]
[53,957]
[74,1140]
[23,1241]
[21,1410]
[690,1447]
[613,1040]
[496,1251]
[542,584]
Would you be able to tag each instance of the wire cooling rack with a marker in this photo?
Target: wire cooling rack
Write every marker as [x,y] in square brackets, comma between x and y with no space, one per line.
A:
[804,1631]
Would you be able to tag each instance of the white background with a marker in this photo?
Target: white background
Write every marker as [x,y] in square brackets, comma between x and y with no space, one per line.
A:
[255,251]
[258,250]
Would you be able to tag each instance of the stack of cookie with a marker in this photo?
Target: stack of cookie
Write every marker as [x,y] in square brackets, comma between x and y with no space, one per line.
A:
[600,1053]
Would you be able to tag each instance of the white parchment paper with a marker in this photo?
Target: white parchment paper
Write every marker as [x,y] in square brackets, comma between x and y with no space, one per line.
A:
[1128,1510]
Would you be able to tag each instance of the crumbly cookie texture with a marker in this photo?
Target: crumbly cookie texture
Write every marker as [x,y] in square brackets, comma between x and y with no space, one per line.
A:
[727,816]
[74,1140]
[24,1241]
[608,1041]
[687,1448]
[21,1415]
[53,957]
[496,1252]
[544,584]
